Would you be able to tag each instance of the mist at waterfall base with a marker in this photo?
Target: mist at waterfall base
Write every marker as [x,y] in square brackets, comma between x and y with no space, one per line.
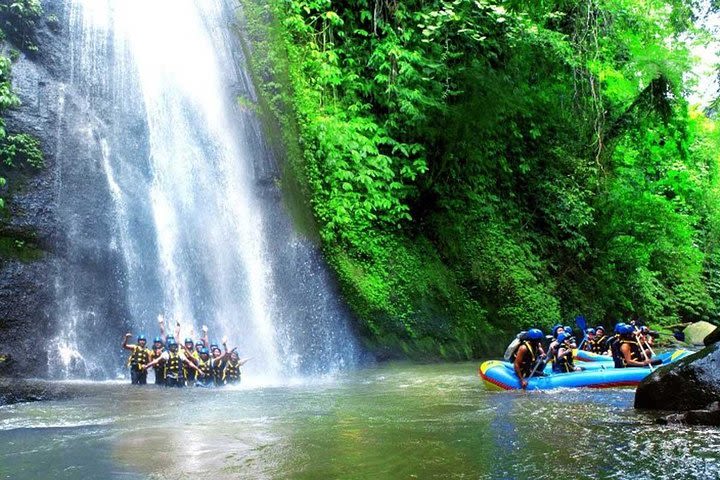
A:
[172,206]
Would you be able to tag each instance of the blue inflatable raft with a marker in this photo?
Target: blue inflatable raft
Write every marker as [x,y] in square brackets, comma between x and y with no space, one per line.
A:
[498,375]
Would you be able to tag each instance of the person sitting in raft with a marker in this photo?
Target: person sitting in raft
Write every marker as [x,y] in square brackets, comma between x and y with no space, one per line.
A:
[589,337]
[231,372]
[631,353]
[528,356]
[552,348]
[646,336]
[563,361]
[613,344]
[569,337]
[174,361]
[139,357]
[599,344]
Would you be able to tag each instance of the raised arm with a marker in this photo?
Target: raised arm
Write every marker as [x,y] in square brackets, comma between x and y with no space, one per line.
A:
[161,324]
[125,342]
[154,362]
[205,338]
[192,365]
[177,330]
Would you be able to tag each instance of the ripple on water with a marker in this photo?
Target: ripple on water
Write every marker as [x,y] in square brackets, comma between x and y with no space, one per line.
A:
[393,421]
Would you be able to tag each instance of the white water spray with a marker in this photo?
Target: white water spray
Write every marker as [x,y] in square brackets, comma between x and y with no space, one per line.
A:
[200,241]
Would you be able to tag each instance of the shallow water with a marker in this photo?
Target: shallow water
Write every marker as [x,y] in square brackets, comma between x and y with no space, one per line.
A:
[392,421]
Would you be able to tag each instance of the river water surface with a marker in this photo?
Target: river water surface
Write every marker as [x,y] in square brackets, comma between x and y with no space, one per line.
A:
[392,421]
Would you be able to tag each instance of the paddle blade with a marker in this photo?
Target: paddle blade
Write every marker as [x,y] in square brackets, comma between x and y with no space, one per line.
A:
[581,323]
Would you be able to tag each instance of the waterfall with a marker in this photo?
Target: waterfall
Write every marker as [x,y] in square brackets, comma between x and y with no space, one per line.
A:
[170,202]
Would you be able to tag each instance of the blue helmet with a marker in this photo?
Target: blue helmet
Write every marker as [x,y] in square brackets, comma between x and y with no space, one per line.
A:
[568,330]
[199,344]
[562,337]
[188,340]
[204,351]
[535,334]
[213,345]
[627,330]
[591,331]
[141,337]
[157,340]
[619,327]
[600,327]
[555,329]
[172,343]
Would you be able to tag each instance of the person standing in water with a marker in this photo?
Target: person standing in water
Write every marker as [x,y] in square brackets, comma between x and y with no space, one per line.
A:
[231,373]
[138,359]
[157,350]
[174,361]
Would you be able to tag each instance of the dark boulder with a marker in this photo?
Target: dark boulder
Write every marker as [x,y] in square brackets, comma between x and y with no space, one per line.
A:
[692,383]
[710,417]
[712,338]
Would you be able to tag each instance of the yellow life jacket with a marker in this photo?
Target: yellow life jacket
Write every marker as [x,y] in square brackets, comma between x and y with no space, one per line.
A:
[232,371]
[139,357]
[173,366]
[217,370]
[205,368]
[190,373]
[528,360]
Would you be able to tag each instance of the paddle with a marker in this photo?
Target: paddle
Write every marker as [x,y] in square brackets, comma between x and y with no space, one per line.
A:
[582,325]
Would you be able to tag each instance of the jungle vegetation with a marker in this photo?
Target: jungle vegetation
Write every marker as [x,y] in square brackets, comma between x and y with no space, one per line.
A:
[475,167]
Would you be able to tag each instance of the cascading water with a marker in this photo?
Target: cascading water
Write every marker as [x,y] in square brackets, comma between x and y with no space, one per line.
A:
[173,209]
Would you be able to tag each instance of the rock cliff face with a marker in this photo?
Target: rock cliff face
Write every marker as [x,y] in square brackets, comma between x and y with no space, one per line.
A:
[59,117]
[692,383]
[26,284]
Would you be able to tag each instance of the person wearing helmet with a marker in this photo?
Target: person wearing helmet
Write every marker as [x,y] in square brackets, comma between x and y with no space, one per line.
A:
[206,379]
[589,337]
[552,348]
[563,360]
[191,354]
[156,353]
[139,357]
[217,363]
[631,352]
[614,345]
[529,356]
[231,372]
[569,337]
[174,362]
[599,344]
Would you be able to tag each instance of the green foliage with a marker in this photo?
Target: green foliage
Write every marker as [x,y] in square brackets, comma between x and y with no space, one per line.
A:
[16,150]
[478,166]
[17,20]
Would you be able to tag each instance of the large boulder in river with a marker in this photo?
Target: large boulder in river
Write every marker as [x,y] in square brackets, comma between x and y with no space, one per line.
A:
[696,332]
[692,383]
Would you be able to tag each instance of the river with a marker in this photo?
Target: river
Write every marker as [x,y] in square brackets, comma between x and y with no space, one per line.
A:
[389,421]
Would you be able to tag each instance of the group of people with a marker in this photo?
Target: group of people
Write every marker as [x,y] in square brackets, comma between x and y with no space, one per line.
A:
[630,346]
[200,363]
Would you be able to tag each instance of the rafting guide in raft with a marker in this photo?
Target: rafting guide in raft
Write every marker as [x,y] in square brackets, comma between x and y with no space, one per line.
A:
[528,356]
